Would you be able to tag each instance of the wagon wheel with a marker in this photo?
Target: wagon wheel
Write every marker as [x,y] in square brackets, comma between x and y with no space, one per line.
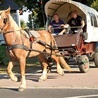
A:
[84,64]
[96,59]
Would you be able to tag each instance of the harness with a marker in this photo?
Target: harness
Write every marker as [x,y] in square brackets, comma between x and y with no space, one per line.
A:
[22,46]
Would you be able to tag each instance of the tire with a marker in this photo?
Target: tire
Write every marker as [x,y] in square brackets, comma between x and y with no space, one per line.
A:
[96,59]
[84,64]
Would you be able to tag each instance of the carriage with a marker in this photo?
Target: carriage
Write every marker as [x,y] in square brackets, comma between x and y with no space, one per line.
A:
[77,46]
[81,47]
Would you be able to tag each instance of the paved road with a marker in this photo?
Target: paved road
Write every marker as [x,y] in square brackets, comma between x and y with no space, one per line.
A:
[70,85]
[49,93]
[69,80]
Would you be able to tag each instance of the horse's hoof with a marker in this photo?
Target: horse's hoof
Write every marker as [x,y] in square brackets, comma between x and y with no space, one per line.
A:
[14,79]
[21,89]
[42,79]
[61,73]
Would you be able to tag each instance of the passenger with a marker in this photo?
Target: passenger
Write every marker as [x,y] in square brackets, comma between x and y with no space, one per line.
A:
[56,24]
[76,22]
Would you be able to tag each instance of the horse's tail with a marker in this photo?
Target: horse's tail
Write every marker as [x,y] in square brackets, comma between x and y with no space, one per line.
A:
[62,60]
[64,64]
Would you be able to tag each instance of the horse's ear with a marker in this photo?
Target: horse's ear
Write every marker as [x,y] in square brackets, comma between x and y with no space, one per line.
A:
[8,11]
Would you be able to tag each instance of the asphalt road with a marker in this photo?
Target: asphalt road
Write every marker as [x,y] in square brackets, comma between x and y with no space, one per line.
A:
[71,85]
[49,93]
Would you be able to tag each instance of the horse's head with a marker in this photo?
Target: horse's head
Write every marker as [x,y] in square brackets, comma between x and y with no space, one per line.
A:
[4,18]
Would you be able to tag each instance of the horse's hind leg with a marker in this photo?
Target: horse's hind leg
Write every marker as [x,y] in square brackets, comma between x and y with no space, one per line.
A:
[45,65]
[9,71]
[59,69]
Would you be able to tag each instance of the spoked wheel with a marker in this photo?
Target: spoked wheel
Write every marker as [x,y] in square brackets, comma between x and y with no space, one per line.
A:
[96,59]
[84,64]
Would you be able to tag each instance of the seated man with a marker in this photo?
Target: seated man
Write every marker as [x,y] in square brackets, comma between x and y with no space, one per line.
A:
[76,22]
[56,24]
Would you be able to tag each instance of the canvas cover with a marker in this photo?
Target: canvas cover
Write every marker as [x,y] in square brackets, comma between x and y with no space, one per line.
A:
[64,7]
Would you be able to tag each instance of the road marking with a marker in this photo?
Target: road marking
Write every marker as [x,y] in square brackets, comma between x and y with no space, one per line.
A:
[83,96]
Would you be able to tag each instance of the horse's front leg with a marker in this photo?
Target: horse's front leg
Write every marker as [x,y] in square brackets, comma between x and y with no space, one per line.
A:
[22,62]
[9,71]
[45,65]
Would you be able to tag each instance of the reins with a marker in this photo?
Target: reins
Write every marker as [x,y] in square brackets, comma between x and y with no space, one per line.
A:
[22,46]
[11,31]
[19,46]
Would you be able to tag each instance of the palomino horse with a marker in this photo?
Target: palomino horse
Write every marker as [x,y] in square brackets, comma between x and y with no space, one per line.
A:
[18,46]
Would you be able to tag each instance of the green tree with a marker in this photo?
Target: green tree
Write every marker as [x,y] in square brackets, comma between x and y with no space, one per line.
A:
[36,6]
[95,5]
[87,2]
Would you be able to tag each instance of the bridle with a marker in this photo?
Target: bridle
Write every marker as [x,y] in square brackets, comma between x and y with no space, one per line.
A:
[5,20]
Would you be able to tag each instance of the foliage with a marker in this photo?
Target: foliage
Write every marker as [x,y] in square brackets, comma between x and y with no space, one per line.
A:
[89,2]
[95,5]
[3,57]
[37,9]
[22,23]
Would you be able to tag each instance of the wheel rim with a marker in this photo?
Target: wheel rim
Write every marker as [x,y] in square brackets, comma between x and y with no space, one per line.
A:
[84,67]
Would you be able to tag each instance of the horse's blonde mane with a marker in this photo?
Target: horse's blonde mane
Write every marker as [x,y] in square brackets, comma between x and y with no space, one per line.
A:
[14,26]
[13,23]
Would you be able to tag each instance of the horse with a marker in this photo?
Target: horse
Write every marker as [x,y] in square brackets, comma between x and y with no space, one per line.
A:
[19,48]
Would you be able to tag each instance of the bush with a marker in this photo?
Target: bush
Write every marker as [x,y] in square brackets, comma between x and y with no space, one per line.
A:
[3,57]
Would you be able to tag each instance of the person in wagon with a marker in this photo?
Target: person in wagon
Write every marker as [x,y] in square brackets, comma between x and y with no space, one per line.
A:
[56,25]
[76,22]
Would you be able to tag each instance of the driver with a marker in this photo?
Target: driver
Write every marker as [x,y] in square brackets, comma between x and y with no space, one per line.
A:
[56,24]
[76,22]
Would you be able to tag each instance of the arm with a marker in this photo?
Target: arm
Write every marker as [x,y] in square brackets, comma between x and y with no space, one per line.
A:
[64,30]
[61,33]
[82,23]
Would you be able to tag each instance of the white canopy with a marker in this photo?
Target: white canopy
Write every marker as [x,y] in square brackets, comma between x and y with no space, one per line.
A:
[64,7]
